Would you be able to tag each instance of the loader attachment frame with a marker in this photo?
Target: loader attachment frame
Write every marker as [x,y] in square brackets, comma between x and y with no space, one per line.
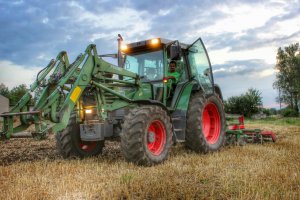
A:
[62,89]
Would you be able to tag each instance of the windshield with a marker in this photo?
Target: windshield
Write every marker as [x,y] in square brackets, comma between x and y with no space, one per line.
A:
[149,66]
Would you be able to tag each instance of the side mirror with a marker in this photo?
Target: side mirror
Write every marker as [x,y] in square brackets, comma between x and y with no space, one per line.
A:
[175,52]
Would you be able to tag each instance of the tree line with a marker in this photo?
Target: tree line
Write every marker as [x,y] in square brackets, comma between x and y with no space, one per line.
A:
[15,94]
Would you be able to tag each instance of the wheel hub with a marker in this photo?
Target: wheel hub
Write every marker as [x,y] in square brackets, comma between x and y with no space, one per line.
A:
[211,123]
[87,146]
[156,137]
[151,137]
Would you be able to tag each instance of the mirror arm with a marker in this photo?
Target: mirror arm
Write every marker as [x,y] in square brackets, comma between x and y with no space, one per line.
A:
[170,43]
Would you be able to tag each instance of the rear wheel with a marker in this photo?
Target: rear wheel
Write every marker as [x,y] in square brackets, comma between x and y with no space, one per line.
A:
[69,144]
[205,123]
[146,135]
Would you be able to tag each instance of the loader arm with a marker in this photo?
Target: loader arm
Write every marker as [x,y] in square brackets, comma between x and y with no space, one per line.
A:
[21,108]
[64,88]
[91,73]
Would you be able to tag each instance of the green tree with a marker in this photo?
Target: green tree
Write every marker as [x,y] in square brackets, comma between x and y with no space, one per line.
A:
[4,90]
[17,93]
[288,76]
[246,104]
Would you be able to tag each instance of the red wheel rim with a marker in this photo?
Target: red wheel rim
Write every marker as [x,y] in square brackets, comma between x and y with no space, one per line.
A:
[211,123]
[156,137]
[87,146]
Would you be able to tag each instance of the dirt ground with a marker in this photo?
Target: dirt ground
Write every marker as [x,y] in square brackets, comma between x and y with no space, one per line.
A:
[18,150]
[26,149]
[32,169]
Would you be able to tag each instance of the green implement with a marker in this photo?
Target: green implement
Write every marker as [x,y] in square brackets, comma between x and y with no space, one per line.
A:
[237,134]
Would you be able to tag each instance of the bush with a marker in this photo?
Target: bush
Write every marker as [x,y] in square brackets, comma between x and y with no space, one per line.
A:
[246,104]
[289,112]
[269,111]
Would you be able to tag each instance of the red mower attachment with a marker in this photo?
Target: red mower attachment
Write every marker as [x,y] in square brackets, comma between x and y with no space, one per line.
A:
[269,134]
[259,136]
[238,134]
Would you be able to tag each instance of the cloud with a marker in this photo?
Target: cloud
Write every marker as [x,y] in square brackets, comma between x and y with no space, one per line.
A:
[264,73]
[259,25]
[242,37]
[45,20]
[13,75]
[124,19]
[235,77]
[248,68]
[236,85]
[162,12]
[268,54]
[241,17]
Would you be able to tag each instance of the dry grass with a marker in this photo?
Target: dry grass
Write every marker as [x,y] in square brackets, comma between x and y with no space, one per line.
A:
[269,171]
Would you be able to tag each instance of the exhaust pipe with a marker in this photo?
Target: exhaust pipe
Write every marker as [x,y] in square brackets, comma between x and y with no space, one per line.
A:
[120,59]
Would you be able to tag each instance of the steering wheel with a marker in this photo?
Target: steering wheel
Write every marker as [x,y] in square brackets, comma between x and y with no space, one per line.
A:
[172,78]
[145,78]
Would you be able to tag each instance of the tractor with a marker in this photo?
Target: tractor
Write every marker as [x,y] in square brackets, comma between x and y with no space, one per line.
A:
[139,101]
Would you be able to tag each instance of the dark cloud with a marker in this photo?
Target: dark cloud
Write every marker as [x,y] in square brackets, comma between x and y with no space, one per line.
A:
[250,38]
[236,81]
[237,85]
[240,68]
[32,28]
[38,27]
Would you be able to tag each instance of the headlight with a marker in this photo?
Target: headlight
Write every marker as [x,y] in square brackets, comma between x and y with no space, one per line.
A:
[88,111]
[155,41]
[124,47]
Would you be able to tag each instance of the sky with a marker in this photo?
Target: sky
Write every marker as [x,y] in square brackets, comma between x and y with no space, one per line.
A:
[242,37]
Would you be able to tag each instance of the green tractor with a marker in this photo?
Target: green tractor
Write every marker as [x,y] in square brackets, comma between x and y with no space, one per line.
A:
[143,101]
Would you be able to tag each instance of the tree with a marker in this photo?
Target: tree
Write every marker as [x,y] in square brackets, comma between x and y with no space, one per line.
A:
[288,76]
[4,90]
[246,104]
[17,93]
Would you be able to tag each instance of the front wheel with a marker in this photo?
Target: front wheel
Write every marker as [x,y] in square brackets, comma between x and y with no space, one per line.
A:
[205,123]
[69,144]
[146,135]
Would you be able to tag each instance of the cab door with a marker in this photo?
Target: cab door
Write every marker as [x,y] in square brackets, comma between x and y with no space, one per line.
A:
[200,67]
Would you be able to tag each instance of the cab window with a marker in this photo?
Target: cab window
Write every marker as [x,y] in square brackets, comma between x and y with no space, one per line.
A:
[149,66]
[200,66]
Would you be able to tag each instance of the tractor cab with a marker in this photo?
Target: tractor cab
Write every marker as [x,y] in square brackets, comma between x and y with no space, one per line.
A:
[151,60]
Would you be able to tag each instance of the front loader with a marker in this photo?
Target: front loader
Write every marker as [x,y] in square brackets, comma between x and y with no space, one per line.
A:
[90,100]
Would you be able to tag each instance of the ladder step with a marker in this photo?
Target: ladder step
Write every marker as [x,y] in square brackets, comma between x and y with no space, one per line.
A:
[176,118]
[178,129]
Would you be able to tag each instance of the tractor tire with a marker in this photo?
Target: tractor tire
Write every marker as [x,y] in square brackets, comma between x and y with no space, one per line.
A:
[146,136]
[70,145]
[205,123]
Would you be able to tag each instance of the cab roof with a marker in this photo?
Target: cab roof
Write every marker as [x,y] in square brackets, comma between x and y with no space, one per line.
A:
[151,44]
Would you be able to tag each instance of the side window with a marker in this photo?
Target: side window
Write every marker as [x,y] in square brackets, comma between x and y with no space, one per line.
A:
[182,69]
[200,67]
[132,64]
[153,69]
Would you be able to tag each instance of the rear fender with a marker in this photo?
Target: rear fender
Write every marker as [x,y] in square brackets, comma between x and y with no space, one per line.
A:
[218,91]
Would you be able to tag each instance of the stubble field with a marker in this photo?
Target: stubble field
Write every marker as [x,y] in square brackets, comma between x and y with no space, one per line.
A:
[32,169]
